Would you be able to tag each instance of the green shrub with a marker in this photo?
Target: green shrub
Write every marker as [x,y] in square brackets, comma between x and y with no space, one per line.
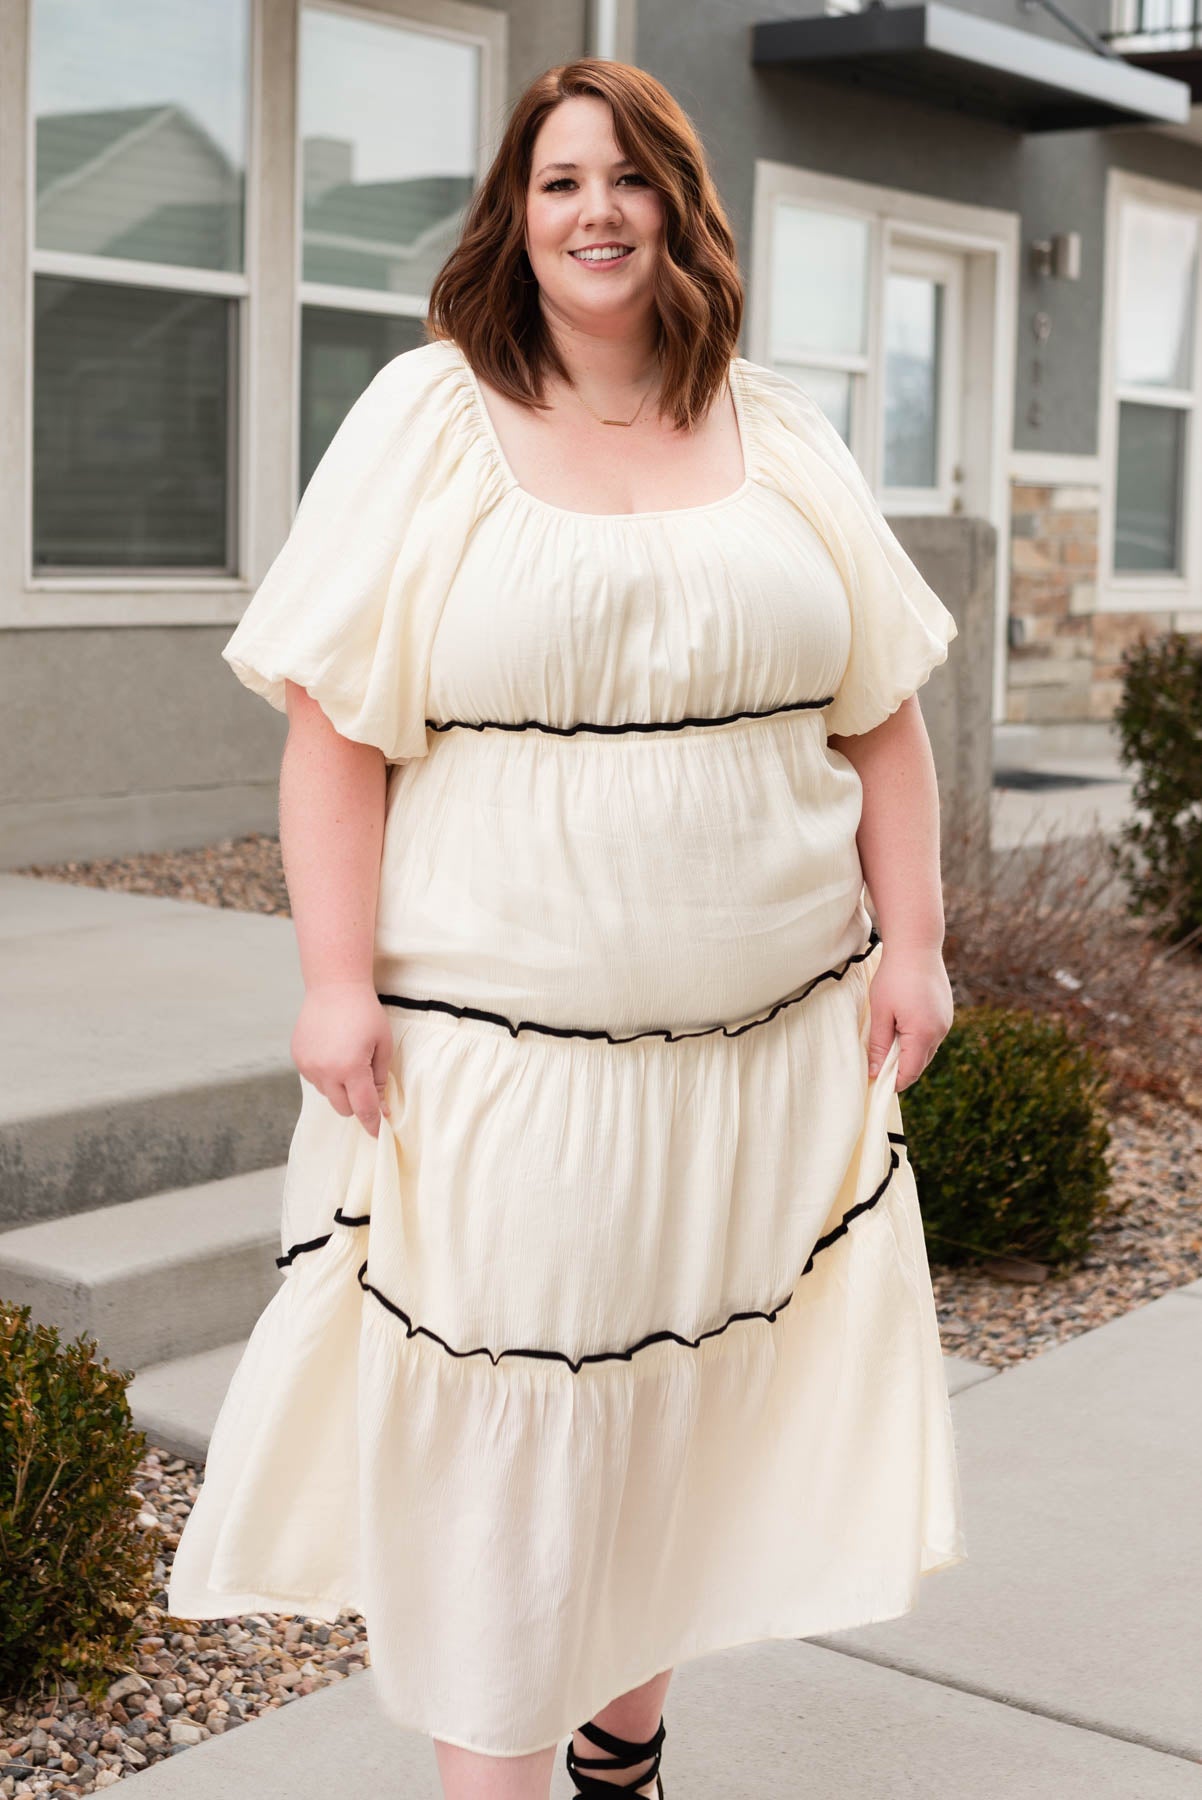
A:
[1159,721]
[75,1572]
[1006,1133]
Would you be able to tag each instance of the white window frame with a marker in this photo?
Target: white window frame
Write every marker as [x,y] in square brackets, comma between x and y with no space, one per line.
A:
[267,292]
[1148,590]
[989,238]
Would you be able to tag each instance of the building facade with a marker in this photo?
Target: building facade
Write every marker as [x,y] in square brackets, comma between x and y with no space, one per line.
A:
[971,233]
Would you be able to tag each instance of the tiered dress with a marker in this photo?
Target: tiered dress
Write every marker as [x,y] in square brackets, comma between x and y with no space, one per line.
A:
[618,1344]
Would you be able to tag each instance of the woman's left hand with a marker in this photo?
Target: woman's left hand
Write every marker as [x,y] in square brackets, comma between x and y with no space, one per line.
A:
[910,997]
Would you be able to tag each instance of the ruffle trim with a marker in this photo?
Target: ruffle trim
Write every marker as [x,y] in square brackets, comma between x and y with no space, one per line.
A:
[358,1222]
[767,712]
[664,1032]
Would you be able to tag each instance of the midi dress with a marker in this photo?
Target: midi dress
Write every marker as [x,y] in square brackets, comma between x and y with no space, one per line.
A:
[618,1345]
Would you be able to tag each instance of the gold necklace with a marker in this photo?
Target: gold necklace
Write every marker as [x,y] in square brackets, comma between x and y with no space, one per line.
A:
[602,421]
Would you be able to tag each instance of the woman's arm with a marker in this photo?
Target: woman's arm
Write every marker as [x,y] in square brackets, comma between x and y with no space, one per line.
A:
[898,841]
[332,793]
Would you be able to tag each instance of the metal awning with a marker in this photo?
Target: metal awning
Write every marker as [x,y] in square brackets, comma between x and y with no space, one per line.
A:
[953,59]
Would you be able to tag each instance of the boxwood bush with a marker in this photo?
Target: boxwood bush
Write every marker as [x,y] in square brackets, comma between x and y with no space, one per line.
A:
[1159,722]
[75,1570]
[1007,1133]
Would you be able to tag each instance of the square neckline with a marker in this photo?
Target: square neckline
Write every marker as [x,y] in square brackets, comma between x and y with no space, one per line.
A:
[485,421]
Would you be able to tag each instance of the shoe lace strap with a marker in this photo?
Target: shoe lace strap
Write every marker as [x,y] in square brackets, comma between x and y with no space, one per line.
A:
[625,1753]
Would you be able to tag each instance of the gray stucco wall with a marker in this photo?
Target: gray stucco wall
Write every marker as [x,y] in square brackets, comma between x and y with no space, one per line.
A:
[1054,181]
[127,738]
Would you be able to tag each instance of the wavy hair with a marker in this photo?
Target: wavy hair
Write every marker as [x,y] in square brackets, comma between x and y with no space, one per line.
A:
[485,296]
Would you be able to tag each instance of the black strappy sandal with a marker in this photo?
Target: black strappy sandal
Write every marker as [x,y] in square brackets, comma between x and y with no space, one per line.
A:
[625,1755]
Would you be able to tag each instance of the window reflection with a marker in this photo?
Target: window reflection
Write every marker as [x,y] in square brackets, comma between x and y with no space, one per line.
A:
[140,129]
[388,151]
[913,353]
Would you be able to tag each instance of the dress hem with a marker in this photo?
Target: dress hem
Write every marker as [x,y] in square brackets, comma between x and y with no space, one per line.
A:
[948,1558]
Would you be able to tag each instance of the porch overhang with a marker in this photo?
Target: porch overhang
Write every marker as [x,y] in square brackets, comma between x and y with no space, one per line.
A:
[955,60]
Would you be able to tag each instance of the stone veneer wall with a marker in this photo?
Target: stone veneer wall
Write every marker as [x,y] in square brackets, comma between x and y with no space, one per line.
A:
[1066,662]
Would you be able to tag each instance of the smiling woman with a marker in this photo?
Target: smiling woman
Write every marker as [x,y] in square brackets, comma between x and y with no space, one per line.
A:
[607,1337]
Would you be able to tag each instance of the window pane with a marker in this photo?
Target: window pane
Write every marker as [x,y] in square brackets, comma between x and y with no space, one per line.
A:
[131,455]
[141,129]
[340,352]
[389,145]
[831,388]
[1157,279]
[913,354]
[819,282]
[1148,495]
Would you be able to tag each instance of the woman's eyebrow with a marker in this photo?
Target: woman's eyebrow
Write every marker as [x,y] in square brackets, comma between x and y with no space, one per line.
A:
[623,163]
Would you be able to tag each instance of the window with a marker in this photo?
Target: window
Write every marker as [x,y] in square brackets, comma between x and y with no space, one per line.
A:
[869,319]
[139,119]
[1153,25]
[820,306]
[1154,384]
[389,123]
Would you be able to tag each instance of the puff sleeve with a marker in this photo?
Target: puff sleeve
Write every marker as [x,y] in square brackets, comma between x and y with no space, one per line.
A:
[900,629]
[349,606]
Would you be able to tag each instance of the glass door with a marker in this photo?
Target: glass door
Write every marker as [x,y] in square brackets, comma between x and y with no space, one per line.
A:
[921,420]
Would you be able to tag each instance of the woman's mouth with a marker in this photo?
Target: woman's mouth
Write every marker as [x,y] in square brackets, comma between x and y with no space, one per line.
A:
[604,258]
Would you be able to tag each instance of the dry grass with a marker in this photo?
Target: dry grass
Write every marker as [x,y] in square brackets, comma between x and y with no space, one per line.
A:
[1047,931]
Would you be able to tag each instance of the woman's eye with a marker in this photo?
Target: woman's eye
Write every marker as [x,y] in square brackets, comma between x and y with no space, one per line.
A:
[550,186]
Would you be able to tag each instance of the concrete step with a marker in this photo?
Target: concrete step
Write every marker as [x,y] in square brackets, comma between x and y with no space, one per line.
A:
[156,1278]
[176,1403]
[146,1046]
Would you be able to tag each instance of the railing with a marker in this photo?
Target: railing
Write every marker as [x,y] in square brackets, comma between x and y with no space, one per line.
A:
[1156,25]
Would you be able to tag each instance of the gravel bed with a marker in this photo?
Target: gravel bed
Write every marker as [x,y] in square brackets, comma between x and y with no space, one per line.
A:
[190,1684]
[1147,1243]
[190,1679]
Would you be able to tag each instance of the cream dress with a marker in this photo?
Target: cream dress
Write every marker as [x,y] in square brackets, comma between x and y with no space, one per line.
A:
[618,1344]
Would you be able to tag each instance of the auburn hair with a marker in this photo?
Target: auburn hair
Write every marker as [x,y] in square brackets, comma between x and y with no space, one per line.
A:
[485,297]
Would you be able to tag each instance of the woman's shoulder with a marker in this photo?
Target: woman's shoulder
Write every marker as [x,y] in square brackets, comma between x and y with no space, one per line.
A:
[778,395]
[412,422]
[790,429]
[419,378]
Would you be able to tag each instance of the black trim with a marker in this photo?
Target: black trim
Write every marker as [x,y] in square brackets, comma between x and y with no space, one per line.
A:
[655,1337]
[364,1219]
[340,1218]
[669,1036]
[666,725]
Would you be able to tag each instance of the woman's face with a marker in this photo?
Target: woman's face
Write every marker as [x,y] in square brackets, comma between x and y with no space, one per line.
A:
[601,199]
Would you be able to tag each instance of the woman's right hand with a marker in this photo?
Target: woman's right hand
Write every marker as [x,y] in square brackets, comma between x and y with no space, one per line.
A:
[342,1044]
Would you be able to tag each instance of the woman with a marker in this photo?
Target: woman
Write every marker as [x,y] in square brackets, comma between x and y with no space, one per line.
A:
[607,1337]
